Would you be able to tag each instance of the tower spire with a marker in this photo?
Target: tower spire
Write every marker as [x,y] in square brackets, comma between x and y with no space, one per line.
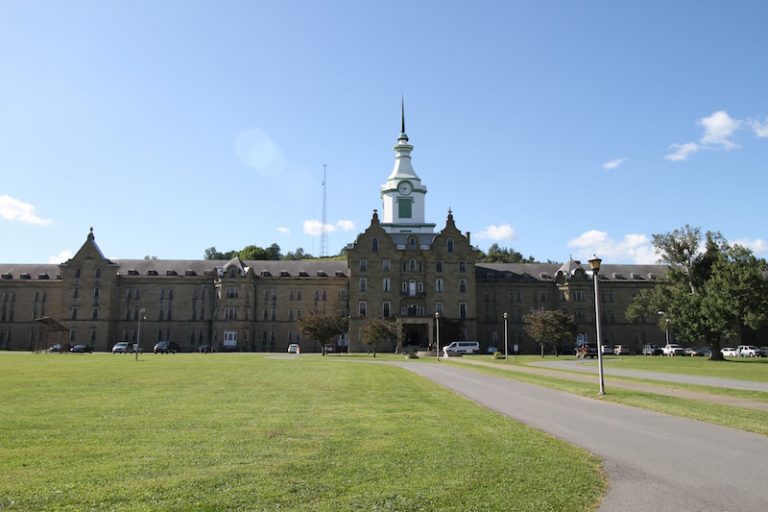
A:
[403,136]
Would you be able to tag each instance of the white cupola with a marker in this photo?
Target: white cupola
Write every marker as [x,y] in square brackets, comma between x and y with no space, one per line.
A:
[403,193]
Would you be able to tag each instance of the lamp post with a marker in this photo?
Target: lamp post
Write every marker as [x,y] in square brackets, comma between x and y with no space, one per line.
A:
[437,323]
[666,325]
[506,345]
[138,333]
[594,264]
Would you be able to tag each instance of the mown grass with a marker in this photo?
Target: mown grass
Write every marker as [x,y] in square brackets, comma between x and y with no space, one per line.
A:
[246,432]
[734,417]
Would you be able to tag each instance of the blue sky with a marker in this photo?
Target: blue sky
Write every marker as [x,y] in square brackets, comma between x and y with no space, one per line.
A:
[558,128]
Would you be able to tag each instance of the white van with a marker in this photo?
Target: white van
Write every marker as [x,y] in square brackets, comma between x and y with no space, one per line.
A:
[462,347]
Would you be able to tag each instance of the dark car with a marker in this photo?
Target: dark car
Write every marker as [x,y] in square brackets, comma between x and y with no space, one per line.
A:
[58,347]
[205,349]
[586,350]
[165,347]
[82,349]
[652,350]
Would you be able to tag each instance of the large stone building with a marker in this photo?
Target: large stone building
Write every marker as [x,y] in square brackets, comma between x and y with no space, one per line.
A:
[400,268]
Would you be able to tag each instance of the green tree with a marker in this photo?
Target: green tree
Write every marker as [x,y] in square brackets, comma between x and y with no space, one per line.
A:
[323,327]
[712,290]
[498,254]
[550,326]
[377,331]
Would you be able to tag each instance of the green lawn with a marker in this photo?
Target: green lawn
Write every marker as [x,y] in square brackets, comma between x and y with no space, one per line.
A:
[246,432]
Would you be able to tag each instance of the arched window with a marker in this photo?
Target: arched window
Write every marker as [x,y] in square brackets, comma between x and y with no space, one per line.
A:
[375,244]
[412,265]
[412,242]
[450,245]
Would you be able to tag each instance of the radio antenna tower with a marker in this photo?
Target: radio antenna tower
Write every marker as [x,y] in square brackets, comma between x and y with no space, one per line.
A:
[324,232]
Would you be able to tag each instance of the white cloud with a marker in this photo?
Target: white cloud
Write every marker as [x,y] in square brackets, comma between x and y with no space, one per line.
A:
[61,257]
[256,149]
[681,151]
[758,246]
[14,209]
[760,129]
[346,225]
[315,228]
[718,129]
[633,248]
[613,164]
[498,233]
[284,230]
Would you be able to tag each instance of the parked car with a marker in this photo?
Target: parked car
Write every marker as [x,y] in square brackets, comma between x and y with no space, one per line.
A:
[82,349]
[729,352]
[586,350]
[294,348]
[607,349]
[673,350]
[621,350]
[205,349]
[330,348]
[750,351]
[165,347]
[58,347]
[122,347]
[698,352]
[652,350]
[491,350]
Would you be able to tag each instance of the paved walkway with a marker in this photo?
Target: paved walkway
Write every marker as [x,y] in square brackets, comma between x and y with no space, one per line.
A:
[553,369]
[654,462]
[698,380]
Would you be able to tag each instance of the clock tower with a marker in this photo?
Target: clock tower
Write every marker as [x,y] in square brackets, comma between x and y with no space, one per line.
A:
[403,193]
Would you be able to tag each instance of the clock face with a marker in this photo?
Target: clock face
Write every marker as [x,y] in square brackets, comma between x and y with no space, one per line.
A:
[405,187]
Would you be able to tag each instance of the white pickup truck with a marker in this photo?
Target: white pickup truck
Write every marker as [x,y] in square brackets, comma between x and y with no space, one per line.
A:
[673,350]
[750,351]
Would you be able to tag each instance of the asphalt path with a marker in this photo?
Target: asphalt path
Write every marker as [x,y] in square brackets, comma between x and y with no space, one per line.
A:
[654,462]
[699,380]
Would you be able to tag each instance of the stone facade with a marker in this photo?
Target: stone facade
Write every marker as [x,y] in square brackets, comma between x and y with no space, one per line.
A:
[400,270]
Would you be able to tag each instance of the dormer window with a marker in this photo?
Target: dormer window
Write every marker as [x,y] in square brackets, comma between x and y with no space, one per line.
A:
[450,245]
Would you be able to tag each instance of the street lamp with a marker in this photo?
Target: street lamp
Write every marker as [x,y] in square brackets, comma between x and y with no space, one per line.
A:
[437,323]
[506,345]
[138,334]
[594,264]
[666,325]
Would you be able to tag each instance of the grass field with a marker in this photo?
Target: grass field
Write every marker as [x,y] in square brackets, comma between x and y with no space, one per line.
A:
[247,432]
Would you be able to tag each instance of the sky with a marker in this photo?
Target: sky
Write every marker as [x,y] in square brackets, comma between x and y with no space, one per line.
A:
[557,128]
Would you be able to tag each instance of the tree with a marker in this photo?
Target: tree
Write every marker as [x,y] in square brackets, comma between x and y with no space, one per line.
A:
[376,331]
[299,254]
[323,327]
[150,258]
[550,326]
[212,254]
[498,254]
[712,290]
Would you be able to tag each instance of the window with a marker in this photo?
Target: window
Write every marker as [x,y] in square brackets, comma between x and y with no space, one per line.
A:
[462,310]
[404,287]
[95,314]
[386,284]
[363,284]
[229,314]
[76,293]
[450,245]
[374,244]
[462,286]
[386,310]
[363,265]
[404,208]
[74,314]
[93,335]
[606,298]
[439,284]
[515,296]
[231,293]
[230,336]
[362,308]
[95,293]
[438,266]
[540,297]
[462,266]
[412,265]
[439,307]
[420,287]
[579,295]
[386,265]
